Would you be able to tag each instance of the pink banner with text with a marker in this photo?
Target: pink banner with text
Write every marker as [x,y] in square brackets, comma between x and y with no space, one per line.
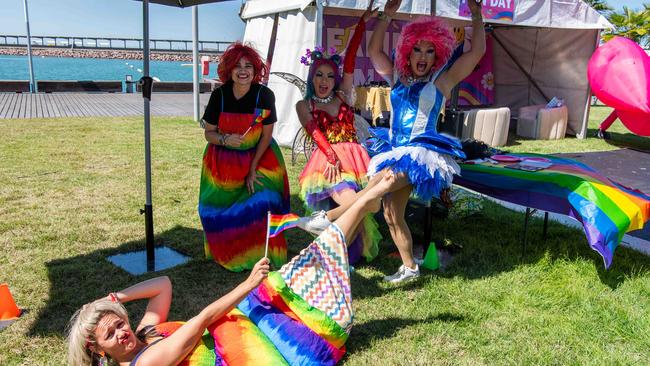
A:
[492,9]
[337,32]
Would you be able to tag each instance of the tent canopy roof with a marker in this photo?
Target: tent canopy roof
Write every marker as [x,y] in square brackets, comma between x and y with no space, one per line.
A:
[183,3]
[571,14]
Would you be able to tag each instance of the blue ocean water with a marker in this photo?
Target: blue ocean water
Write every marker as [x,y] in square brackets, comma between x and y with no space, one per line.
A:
[66,68]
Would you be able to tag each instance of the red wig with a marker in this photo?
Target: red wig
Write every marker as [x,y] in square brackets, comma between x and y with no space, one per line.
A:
[233,54]
[430,29]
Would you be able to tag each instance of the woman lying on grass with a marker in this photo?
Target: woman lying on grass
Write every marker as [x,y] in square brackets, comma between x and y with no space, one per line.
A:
[301,314]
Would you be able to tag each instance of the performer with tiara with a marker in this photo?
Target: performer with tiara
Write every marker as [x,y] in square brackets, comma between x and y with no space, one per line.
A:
[421,158]
[243,175]
[338,168]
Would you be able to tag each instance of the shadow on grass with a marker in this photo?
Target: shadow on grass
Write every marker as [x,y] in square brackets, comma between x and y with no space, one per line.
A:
[627,140]
[364,334]
[492,242]
[78,280]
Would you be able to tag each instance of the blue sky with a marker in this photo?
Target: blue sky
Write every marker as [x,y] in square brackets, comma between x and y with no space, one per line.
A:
[633,4]
[123,18]
[120,18]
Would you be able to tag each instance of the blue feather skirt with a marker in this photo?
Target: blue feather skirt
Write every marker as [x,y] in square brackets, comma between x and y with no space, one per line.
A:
[428,171]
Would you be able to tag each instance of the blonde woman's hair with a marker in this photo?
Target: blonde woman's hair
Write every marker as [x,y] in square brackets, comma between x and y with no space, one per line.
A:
[81,330]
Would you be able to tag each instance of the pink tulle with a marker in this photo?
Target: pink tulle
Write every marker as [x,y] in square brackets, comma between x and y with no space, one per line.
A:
[354,160]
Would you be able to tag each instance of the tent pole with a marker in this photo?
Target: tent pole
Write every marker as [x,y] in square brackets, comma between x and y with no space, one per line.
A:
[148,208]
[433,8]
[521,68]
[274,35]
[195,62]
[585,117]
[32,84]
[319,22]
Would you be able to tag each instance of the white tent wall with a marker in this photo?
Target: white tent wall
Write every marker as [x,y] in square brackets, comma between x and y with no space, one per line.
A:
[296,32]
[557,61]
[258,34]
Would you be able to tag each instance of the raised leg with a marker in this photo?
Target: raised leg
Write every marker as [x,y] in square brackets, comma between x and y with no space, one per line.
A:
[367,203]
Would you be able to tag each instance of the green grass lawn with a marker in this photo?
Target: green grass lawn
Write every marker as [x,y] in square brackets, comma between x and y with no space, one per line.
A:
[70,194]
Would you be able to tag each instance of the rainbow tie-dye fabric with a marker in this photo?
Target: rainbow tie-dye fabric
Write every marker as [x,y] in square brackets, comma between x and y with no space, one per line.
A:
[299,315]
[606,209]
[234,220]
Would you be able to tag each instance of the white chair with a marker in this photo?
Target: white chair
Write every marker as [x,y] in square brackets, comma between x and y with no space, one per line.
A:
[487,125]
[538,122]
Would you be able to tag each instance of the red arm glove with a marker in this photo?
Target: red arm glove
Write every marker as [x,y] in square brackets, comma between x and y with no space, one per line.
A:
[353,46]
[321,142]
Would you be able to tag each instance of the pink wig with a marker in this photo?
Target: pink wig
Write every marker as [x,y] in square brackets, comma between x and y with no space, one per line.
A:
[430,29]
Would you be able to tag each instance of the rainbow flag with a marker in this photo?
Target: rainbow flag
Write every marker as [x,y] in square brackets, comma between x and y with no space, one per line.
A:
[299,315]
[280,223]
[606,209]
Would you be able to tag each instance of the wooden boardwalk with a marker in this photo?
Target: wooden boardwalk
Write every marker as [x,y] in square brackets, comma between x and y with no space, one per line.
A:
[62,105]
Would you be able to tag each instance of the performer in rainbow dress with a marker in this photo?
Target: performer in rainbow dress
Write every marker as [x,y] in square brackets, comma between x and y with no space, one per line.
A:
[243,175]
[338,168]
[299,315]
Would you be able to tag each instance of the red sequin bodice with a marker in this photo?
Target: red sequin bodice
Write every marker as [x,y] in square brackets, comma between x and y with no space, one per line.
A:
[336,129]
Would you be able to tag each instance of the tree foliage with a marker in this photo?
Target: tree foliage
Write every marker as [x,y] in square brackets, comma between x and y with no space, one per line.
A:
[599,5]
[632,24]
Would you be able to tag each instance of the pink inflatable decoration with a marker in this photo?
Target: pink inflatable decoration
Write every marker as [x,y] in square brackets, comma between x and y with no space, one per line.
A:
[619,75]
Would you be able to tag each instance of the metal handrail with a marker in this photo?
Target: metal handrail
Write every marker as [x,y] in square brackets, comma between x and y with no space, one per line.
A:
[120,43]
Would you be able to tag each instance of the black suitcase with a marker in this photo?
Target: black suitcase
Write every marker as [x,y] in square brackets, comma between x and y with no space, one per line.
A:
[451,123]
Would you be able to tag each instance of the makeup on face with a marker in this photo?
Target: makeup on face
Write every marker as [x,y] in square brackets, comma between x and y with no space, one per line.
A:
[422,58]
[324,81]
[243,72]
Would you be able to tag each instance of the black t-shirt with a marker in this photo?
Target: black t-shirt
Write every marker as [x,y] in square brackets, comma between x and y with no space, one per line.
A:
[259,96]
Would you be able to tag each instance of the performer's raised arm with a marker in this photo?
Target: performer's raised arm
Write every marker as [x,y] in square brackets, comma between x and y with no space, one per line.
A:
[462,67]
[380,60]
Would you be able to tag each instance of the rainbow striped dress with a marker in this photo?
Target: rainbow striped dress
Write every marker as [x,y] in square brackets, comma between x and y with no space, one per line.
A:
[234,221]
[299,315]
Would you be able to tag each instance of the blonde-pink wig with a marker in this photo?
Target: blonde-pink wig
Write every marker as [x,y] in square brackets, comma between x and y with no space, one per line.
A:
[430,29]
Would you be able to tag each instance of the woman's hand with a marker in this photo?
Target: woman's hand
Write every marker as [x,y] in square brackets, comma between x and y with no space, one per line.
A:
[391,7]
[333,172]
[259,272]
[370,12]
[475,7]
[251,179]
[233,140]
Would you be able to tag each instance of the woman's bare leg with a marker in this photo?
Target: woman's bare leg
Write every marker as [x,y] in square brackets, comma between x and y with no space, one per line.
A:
[369,202]
[343,198]
[398,182]
[394,213]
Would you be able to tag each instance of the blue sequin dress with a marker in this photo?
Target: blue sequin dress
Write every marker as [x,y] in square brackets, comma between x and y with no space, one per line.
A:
[416,148]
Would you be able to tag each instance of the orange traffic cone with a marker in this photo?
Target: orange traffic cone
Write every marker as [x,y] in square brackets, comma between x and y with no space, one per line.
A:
[8,308]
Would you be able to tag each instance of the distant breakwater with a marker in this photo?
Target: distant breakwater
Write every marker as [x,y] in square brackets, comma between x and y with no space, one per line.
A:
[108,54]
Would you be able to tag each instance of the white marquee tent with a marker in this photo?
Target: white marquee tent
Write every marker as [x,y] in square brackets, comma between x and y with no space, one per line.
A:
[551,41]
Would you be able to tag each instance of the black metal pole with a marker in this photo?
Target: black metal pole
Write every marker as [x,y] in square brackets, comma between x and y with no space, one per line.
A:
[523,246]
[146,93]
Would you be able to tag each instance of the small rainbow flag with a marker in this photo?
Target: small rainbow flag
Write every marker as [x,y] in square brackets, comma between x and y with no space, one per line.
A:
[279,223]
[260,115]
